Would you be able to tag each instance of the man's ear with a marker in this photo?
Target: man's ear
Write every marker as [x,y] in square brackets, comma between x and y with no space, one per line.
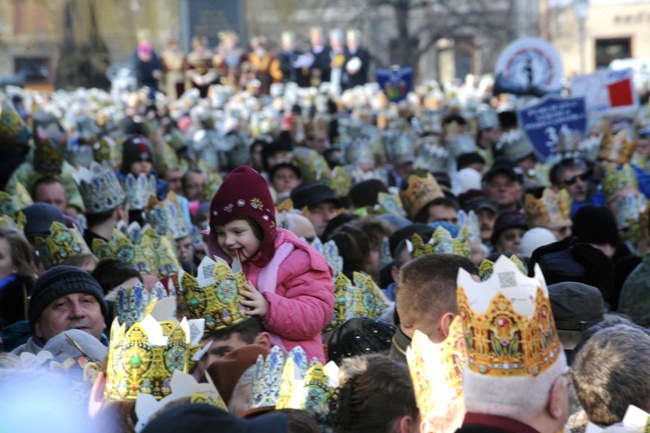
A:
[37,330]
[263,339]
[96,395]
[394,272]
[406,424]
[558,398]
[445,323]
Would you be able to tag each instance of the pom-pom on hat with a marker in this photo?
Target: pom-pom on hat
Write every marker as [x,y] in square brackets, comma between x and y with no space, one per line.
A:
[245,193]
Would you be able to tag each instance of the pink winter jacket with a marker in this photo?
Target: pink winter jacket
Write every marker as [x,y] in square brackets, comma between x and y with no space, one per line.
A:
[303,302]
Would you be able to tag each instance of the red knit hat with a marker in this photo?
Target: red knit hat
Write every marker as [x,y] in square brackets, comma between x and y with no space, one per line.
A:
[245,193]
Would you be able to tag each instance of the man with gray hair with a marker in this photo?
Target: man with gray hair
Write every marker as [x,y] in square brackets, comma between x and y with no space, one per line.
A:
[610,373]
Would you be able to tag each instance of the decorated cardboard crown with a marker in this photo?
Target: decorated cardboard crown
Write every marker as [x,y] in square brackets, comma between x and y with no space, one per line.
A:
[215,293]
[463,144]
[427,123]
[615,180]
[11,206]
[339,181]
[441,242]
[61,244]
[269,374]
[312,164]
[359,151]
[486,118]
[139,189]
[13,129]
[469,221]
[167,217]
[330,251]
[210,189]
[182,386]
[507,322]
[105,149]
[311,392]
[437,369]
[119,247]
[515,145]
[357,298]
[420,192]
[431,156]
[486,267]
[143,358]
[550,210]
[616,148]
[134,303]
[50,141]
[99,188]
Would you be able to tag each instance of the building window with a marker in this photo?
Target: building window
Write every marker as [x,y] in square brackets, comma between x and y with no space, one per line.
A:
[608,50]
[37,70]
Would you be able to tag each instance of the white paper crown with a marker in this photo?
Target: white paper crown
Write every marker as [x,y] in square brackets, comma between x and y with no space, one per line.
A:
[99,188]
[139,189]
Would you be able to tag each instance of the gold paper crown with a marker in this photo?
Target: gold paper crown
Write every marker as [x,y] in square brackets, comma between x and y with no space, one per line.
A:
[119,247]
[105,149]
[13,129]
[17,222]
[143,358]
[51,146]
[285,206]
[99,188]
[60,244]
[10,205]
[311,392]
[167,216]
[617,148]
[139,189]
[437,369]
[151,253]
[550,210]
[441,242]
[419,193]
[339,181]
[312,164]
[270,372]
[215,294]
[358,298]
[486,267]
[507,322]
[616,180]
[210,189]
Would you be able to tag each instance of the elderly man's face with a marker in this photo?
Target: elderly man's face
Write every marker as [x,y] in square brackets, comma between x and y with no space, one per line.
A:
[72,311]
[504,190]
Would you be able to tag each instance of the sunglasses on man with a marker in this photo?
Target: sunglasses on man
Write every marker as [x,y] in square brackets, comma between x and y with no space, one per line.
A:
[573,179]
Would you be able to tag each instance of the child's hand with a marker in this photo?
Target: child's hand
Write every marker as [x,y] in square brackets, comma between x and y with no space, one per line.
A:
[255,302]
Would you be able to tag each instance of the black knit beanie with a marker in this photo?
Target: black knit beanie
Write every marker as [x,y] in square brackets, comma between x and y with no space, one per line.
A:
[359,336]
[596,225]
[60,281]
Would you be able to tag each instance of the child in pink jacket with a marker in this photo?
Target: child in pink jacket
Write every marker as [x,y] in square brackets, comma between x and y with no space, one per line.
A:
[289,283]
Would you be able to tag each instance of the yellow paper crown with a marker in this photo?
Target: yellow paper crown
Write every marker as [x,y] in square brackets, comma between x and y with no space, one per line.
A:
[143,358]
[10,205]
[214,294]
[420,191]
[60,244]
[437,369]
[105,149]
[285,206]
[311,392]
[486,267]
[441,242]
[617,148]
[361,298]
[616,180]
[312,164]
[13,129]
[51,145]
[549,210]
[210,189]
[339,181]
[507,322]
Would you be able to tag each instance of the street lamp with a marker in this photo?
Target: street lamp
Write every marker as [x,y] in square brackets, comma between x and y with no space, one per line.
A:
[580,8]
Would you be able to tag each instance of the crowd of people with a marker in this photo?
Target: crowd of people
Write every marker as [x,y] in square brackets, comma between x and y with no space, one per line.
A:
[316,258]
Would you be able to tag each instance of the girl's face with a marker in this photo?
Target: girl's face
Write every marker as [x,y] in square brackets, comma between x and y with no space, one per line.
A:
[238,240]
[6,262]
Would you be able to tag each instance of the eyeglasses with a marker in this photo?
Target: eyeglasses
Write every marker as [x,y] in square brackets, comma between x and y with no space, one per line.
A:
[573,179]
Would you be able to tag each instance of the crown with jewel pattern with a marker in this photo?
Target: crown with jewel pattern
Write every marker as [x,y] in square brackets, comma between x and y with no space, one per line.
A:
[312,164]
[99,188]
[615,180]
[330,251]
[357,298]
[430,155]
[486,267]
[51,143]
[437,369]
[441,242]
[60,244]
[134,303]
[420,192]
[119,247]
[215,293]
[210,189]
[550,210]
[142,359]
[507,322]
[105,149]
[339,181]
[269,375]
[13,129]
[616,148]
[139,189]
[311,392]
[167,216]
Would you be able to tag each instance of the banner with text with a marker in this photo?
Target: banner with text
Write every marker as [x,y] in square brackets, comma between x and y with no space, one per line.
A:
[607,91]
[544,122]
